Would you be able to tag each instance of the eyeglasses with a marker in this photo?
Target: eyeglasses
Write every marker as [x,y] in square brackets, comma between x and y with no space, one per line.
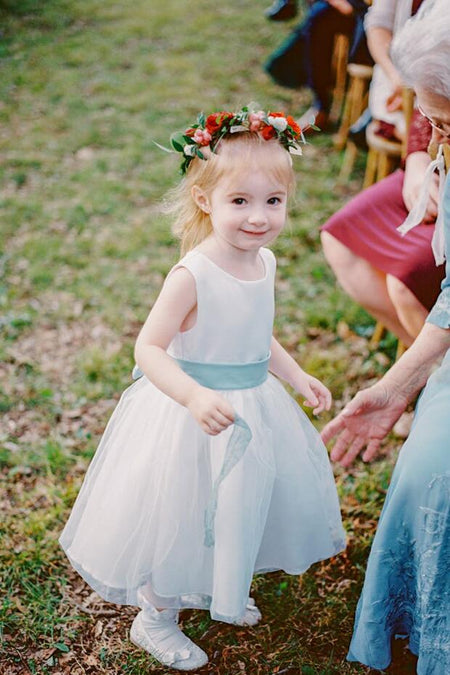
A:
[444,129]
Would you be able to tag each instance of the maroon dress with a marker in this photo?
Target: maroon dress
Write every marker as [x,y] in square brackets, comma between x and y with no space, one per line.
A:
[367,225]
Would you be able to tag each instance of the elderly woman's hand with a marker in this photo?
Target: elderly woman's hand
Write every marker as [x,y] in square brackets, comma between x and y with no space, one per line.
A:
[415,168]
[364,423]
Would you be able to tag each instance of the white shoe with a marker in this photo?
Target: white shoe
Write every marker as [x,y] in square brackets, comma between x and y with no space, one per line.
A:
[251,616]
[160,636]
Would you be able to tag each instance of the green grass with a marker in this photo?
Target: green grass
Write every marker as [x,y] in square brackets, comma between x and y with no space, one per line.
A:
[85,89]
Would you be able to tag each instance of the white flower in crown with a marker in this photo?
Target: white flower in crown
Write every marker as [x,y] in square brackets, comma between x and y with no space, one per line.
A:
[189,150]
[295,149]
[237,128]
[278,123]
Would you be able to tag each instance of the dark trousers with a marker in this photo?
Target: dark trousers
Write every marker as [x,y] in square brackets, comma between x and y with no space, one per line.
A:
[306,56]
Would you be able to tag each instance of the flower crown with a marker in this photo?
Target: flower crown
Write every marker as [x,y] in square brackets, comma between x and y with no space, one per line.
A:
[209,131]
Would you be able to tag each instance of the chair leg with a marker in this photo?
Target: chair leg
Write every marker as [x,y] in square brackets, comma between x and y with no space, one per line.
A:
[377,335]
[357,99]
[371,168]
[348,162]
[384,165]
[340,57]
[340,138]
[401,349]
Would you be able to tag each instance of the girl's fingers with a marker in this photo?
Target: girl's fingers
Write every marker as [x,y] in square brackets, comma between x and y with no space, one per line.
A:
[312,401]
[220,418]
[213,428]
[218,421]
[323,396]
[224,410]
[325,399]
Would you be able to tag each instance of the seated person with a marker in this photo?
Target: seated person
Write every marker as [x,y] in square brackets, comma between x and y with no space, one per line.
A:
[394,278]
[305,57]
[282,10]
[383,20]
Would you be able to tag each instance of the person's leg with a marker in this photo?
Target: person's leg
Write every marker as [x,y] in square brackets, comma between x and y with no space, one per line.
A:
[325,23]
[411,313]
[364,283]
[282,10]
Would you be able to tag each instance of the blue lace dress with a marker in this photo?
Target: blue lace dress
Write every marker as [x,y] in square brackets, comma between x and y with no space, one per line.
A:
[407,586]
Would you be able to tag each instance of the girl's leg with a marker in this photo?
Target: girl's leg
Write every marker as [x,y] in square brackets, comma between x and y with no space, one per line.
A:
[365,284]
[410,311]
[157,631]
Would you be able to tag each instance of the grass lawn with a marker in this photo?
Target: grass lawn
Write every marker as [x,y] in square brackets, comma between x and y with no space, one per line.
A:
[86,87]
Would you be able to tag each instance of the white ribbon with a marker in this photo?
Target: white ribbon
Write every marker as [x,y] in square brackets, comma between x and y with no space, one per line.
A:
[417,214]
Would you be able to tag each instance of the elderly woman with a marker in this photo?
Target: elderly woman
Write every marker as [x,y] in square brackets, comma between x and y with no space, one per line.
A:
[407,586]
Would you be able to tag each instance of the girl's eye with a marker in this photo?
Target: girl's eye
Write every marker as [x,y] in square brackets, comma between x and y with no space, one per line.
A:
[239,201]
[274,200]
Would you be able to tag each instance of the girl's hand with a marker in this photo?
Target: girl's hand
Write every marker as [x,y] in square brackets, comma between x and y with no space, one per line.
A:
[317,395]
[212,412]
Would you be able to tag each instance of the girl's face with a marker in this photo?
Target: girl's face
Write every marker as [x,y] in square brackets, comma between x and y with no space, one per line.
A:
[248,210]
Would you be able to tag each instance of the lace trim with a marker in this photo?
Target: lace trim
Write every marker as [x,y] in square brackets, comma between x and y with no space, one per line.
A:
[417,594]
[440,314]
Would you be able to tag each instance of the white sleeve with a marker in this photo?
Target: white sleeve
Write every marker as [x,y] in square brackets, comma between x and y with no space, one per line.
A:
[381,15]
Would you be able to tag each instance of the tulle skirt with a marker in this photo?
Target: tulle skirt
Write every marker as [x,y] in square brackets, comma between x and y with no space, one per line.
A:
[139,517]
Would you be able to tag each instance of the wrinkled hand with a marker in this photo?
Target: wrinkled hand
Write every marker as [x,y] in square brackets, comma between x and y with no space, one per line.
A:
[416,166]
[342,6]
[317,395]
[364,423]
[212,412]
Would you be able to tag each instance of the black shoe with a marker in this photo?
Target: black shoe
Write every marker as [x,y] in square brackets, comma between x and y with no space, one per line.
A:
[282,10]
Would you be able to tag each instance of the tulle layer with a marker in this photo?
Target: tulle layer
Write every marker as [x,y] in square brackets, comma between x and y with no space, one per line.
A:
[139,517]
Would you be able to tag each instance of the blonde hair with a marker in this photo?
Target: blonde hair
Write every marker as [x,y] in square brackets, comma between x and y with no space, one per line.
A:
[236,153]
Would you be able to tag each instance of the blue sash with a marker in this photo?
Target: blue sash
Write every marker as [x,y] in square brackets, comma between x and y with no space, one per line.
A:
[222,376]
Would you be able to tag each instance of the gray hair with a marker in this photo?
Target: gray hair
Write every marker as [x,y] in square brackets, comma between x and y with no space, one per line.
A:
[421,49]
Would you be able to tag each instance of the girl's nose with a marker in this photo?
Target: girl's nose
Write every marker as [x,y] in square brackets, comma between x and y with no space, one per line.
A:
[258,217]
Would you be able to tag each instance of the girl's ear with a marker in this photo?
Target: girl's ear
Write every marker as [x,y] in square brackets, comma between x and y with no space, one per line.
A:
[200,198]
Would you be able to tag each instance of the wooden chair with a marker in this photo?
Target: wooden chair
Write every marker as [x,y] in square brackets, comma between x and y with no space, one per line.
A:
[340,58]
[356,101]
[384,155]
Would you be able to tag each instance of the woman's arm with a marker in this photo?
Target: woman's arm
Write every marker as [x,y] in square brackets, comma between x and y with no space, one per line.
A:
[379,42]
[372,413]
[286,368]
[173,307]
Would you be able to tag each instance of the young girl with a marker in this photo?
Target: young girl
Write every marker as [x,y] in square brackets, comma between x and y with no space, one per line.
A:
[208,470]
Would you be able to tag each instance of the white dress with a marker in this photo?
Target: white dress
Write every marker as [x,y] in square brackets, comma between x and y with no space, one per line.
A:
[139,517]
